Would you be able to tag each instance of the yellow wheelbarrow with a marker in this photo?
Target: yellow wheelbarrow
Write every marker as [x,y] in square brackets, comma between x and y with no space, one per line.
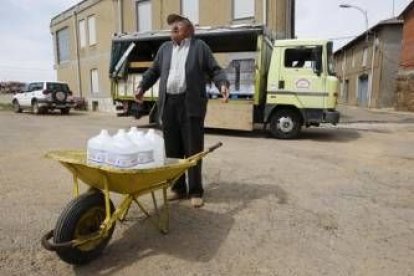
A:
[86,224]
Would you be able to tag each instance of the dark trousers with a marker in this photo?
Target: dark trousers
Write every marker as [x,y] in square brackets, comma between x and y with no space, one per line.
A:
[183,137]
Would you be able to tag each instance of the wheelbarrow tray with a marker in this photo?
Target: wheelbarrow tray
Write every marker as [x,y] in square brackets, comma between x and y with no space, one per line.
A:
[122,181]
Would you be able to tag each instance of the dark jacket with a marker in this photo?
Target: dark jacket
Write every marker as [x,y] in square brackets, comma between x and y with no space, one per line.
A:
[200,64]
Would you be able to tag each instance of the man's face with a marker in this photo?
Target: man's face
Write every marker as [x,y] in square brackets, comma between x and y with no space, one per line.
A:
[179,31]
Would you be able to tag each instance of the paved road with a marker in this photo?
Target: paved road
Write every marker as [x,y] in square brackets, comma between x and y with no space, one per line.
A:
[337,201]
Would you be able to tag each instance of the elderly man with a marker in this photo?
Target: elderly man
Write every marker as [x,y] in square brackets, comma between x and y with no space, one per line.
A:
[182,66]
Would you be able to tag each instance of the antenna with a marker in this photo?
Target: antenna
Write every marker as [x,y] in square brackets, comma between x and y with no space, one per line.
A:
[393,8]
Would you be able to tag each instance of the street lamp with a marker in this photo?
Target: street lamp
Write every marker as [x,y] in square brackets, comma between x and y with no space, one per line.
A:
[364,12]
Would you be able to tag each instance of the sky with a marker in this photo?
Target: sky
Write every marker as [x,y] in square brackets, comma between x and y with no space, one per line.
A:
[26,49]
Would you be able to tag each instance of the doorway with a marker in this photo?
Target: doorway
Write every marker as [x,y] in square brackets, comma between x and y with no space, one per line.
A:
[362,99]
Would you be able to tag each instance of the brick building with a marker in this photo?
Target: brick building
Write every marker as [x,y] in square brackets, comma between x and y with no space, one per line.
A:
[405,79]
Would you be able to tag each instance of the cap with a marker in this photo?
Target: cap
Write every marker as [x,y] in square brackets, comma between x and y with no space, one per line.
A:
[176,17]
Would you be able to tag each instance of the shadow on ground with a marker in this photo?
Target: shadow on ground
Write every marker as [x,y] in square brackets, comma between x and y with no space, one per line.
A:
[316,134]
[336,135]
[195,234]
[54,113]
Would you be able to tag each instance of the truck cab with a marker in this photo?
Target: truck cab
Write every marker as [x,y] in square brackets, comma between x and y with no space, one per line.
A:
[282,85]
[301,87]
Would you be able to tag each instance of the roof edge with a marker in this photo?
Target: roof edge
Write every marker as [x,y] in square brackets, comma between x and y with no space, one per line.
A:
[407,9]
[69,11]
[387,22]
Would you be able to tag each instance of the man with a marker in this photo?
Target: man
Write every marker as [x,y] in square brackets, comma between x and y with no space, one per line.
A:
[182,65]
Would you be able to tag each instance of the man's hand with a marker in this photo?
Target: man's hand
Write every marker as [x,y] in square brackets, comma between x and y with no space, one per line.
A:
[139,95]
[224,90]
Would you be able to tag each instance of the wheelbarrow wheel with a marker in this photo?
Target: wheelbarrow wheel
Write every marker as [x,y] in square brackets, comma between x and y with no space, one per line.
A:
[82,218]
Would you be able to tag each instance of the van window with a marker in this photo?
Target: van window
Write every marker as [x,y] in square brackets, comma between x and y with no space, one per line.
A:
[53,86]
[35,86]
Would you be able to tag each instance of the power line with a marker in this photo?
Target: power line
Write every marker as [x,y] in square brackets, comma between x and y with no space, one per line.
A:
[343,37]
[13,68]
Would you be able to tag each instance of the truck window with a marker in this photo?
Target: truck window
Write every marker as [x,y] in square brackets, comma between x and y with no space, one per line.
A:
[300,58]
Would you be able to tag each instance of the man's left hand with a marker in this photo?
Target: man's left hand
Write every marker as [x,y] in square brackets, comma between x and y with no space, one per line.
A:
[224,90]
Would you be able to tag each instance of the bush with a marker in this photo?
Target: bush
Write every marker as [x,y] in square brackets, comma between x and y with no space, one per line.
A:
[80,103]
[12,87]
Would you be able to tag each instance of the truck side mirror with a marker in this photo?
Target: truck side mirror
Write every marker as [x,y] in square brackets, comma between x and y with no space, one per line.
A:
[317,58]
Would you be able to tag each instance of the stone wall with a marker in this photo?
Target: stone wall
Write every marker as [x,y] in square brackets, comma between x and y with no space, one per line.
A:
[405,91]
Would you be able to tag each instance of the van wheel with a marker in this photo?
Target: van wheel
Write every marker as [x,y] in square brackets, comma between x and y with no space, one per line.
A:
[65,111]
[36,108]
[16,106]
[285,124]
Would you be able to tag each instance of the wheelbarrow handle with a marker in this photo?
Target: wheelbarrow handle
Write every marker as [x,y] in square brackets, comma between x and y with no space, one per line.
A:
[200,155]
[214,147]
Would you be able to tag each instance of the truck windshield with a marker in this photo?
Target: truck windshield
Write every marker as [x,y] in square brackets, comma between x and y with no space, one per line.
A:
[331,65]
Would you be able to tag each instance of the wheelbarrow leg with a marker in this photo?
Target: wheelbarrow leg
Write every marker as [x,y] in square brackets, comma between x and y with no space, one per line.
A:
[166,212]
[154,200]
[162,220]
[157,223]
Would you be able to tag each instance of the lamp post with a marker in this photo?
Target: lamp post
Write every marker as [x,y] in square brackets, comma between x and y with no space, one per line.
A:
[364,12]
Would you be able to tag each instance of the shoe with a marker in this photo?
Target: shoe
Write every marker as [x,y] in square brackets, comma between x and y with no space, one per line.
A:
[175,196]
[197,202]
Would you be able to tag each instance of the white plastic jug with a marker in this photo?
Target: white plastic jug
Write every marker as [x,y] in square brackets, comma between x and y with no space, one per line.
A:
[157,142]
[97,148]
[122,152]
[133,133]
[145,149]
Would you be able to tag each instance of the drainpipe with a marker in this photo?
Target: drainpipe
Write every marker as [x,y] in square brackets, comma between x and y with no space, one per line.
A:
[265,12]
[344,61]
[78,67]
[162,14]
[120,17]
[371,90]
[288,10]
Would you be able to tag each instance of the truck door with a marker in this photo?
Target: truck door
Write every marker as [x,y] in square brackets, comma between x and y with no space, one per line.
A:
[302,75]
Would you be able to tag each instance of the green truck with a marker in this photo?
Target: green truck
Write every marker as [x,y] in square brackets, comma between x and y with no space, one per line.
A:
[282,85]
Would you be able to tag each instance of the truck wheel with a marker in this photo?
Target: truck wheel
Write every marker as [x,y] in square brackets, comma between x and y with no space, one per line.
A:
[81,218]
[16,107]
[285,124]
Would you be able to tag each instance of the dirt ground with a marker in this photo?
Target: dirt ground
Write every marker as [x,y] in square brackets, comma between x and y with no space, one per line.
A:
[338,201]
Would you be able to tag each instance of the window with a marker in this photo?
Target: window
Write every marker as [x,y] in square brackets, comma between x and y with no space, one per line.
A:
[243,9]
[190,9]
[57,86]
[300,58]
[91,30]
[62,45]
[144,16]
[94,81]
[82,33]
[365,57]
[35,86]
